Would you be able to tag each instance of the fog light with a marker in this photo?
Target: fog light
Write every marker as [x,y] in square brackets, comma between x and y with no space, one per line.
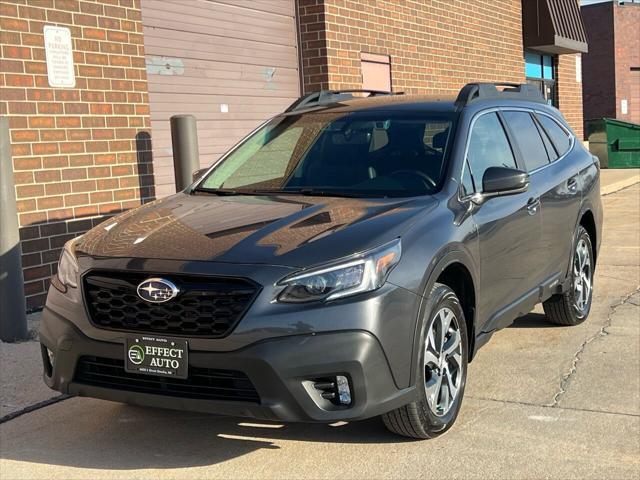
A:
[334,389]
[344,393]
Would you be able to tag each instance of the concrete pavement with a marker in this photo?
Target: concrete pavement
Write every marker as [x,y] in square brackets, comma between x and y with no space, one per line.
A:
[21,372]
[612,179]
[542,402]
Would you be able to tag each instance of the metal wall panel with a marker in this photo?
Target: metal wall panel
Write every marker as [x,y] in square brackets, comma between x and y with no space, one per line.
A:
[231,63]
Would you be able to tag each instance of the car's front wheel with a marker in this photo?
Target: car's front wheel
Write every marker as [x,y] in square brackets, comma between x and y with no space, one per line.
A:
[442,370]
[573,306]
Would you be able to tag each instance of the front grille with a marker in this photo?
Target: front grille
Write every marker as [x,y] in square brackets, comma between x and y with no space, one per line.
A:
[205,307]
[202,383]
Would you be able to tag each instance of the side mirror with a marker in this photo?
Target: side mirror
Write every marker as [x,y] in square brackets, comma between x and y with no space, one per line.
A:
[198,173]
[504,181]
[500,181]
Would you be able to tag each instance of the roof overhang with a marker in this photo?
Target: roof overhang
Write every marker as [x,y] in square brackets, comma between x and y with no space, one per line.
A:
[553,26]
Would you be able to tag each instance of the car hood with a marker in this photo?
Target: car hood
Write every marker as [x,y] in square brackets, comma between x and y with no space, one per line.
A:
[286,230]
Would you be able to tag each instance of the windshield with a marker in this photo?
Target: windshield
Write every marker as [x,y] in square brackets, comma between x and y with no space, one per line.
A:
[359,154]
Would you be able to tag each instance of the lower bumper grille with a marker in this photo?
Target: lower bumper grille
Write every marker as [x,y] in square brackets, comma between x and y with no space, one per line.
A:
[202,383]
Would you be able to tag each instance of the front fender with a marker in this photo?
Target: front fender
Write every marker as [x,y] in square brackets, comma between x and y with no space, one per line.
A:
[452,254]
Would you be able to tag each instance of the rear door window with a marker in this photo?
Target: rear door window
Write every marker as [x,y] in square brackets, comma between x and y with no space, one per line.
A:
[488,147]
[558,135]
[528,139]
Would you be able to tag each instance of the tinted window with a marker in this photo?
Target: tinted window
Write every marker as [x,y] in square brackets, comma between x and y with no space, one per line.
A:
[551,150]
[379,154]
[467,181]
[559,137]
[488,147]
[266,163]
[528,139]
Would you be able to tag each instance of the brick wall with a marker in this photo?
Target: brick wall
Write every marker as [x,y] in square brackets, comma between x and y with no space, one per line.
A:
[627,55]
[435,46]
[570,92]
[598,68]
[79,154]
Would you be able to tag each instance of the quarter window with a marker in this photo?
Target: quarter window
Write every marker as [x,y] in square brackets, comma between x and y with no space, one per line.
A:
[467,182]
[488,147]
[558,135]
[551,150]
[528,139]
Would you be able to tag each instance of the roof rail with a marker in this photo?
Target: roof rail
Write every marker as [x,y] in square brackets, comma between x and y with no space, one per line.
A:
[325,97]
[472,92]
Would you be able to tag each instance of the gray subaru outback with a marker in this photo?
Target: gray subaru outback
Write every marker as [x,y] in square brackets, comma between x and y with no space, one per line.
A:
[346,260]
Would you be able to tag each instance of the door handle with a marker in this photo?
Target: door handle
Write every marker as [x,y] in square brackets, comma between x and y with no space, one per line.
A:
[533,205]
[572,185]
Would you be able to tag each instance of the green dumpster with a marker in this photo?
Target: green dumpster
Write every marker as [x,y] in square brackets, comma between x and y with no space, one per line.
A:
[615,142]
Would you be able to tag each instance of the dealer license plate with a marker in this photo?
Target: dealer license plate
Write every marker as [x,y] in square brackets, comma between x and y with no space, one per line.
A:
[160,356]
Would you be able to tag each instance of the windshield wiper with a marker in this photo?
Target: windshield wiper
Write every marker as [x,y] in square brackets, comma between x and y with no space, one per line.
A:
[311,192]
[316,192]
[221,191]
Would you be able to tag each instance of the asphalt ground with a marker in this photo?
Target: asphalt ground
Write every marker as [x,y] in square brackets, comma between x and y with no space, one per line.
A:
[542,401]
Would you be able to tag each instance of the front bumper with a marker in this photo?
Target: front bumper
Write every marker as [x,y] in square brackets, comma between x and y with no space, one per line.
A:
[278,369]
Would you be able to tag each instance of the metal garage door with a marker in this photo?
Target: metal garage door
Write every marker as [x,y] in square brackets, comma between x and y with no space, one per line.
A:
[231,63]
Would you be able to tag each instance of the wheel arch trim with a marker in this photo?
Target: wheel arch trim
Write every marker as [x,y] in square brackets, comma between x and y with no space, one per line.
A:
[444,259]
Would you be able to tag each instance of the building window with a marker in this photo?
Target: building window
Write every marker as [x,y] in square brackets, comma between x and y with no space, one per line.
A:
[540,71]
[376,72]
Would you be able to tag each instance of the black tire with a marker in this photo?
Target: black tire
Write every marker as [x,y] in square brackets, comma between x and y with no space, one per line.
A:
[417,420]
[562,309]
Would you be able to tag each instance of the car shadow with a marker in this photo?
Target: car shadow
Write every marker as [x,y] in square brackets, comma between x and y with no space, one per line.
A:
[533,320]
[89,433]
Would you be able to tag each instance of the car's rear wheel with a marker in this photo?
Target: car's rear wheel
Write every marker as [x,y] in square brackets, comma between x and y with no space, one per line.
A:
[573,306]
[442,372]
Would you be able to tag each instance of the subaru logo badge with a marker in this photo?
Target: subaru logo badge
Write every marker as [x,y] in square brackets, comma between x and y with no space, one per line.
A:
[157,290]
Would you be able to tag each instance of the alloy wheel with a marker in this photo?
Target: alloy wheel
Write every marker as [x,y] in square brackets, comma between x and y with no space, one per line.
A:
[582,276]
[443,361]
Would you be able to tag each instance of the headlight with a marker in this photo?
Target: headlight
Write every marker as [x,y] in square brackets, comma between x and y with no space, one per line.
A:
[68,265]
[363,273]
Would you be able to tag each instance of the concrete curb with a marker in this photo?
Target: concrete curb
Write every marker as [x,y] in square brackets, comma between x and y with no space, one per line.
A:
[614,187]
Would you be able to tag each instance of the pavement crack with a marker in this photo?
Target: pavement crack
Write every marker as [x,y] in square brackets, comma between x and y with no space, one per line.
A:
[32,408]
[566,378]
[542,405]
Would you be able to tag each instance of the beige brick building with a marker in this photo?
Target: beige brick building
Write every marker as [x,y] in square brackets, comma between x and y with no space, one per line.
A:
[102,146]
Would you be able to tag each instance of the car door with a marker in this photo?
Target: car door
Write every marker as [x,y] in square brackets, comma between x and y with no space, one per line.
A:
[560,197]
[509,228]
[533,154]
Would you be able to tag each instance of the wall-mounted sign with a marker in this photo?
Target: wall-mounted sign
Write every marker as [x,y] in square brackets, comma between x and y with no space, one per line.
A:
[59,52]
[578,68]
[624,106]
[164,66]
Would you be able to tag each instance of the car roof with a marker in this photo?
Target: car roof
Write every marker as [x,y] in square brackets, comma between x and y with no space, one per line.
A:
[414,103]
[396,103]
[473,96]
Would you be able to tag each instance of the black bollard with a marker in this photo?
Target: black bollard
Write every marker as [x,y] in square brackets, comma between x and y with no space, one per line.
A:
[184,139]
